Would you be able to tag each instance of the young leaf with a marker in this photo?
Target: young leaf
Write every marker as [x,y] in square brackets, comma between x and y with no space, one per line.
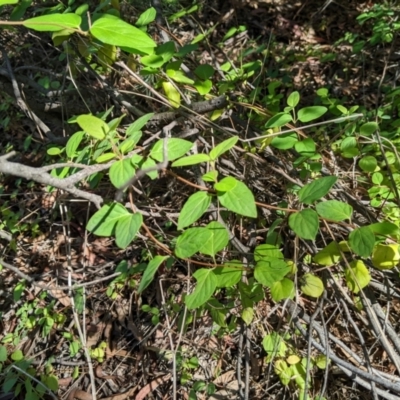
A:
[53,22]
[73,143]
[146,17]
[305,224]
[334,210]
[139,124]
[308,114]
[357,276]
[193,209]
[223,147]
[103,222]
[191,160]
[203,87]
[278,120]
[228,275]
[285,141]
[112,30]
[247,315]
[362,241]
[267,251]
[93,126]
[316,189]
[150,271]
[329,255]
[175,148]
[269,272]
[172,93]
[191,241]
[311,285]
[283,289]
[120,172]
[206,285]
[217,241]
[293,99]
[238,198]
[127,228]
[385,256]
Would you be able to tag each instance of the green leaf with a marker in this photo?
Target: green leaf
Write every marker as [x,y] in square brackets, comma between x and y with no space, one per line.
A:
[203,87]
[368,128]
[139,124]
[305,147]
[308,114]
[121,171]
[93,126]
[362,241]
[247,315]
[127,145]
[206,285]
[238,198]
[174,72]
[127,228]
[385,256]
[334,210]
[285,141]
[204,71]
[293,99]
[283,289]
[368,163]
[357,276]
[146,17]
[305,224]
[191,160]
[103,222]
[3,354]
[173,95]
[166,50]
[105,157]
[150,271]
[193,209]
[329,255]
[279,120]
[5,2]
[153,61]
[18,290]
[217,241]
[274,345]
[191,241]
[266,251]
[228,275]
[73,143]
[112,30]
[218,312]
[54,151]
[223,147]
[316,189]
[17,355]
[210,176]
[20,9]
[311,285]
[269,272]
[175,148]
[250,294]
[386,228]
[53,22]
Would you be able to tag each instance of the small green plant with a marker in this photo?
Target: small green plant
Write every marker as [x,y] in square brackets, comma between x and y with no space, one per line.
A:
[17,376]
